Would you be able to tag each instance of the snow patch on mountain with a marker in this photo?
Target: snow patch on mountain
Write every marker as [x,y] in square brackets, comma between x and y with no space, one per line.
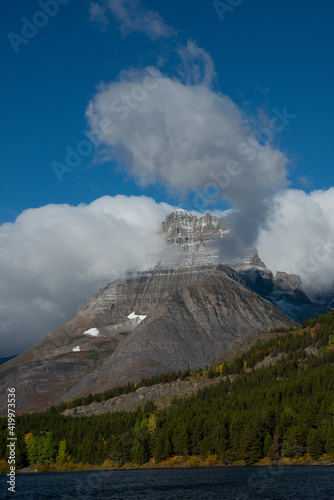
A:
[138,318]
[92,331]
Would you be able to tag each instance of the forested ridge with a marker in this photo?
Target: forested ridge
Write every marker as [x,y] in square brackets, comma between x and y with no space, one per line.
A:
[279,411]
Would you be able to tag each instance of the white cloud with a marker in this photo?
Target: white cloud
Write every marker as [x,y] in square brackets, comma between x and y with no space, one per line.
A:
[197,65]
[97,13]
[54,258]
[132,17]
[299,237]
[184,136]
[188,137]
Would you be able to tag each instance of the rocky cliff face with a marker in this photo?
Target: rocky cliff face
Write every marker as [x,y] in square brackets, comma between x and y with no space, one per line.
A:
[192,234]
[175,316]
[161,394]
[185,330]
[284,290]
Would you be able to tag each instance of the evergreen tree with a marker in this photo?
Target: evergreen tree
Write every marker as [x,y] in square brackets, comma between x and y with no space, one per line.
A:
[62,455]
[315,444]
[251,447]
[268,443]
[181,441]
[33,450]
[48,449]
[274,451]
[294,445]
[140,452]
[330,442]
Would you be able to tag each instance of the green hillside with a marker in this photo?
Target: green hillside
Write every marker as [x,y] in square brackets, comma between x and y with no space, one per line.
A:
[276,404]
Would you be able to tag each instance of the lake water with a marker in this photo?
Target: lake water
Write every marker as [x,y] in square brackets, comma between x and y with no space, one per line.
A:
[230,483]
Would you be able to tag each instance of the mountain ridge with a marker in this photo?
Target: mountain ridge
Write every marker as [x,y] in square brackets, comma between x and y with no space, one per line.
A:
[195,308]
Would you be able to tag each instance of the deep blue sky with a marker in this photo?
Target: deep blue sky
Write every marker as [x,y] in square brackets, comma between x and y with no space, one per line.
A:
[267,55]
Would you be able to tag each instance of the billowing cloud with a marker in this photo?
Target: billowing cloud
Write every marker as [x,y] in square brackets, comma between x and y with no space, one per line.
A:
[181,133]
[299,237]
[132,17]
[54,258]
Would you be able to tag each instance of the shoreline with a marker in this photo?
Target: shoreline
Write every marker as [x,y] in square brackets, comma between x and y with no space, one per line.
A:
[28,470]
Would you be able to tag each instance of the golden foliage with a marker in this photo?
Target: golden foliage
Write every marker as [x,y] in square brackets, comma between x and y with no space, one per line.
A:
[27,437]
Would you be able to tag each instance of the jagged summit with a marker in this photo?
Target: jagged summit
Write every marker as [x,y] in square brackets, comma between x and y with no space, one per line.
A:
[191,233]
[197,236]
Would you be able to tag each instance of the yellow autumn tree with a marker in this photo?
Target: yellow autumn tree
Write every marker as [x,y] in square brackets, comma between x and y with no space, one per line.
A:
[27,437]
[152,423]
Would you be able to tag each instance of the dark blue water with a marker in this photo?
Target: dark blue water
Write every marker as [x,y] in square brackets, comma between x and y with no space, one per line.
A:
[244,483]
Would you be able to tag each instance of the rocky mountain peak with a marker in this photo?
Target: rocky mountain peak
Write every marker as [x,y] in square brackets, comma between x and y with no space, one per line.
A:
[288,281]
[190,232]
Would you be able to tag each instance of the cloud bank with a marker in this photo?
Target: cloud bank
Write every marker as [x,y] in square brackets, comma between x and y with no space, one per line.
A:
[54,258]
[299,238]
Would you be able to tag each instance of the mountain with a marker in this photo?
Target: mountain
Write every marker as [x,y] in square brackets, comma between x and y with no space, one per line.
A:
[197,236]
[178,315]
[186,330]
[255,351]
[271,405]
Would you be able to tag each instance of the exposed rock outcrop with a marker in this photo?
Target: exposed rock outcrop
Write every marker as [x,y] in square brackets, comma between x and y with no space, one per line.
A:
[161,394]
[192,234]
